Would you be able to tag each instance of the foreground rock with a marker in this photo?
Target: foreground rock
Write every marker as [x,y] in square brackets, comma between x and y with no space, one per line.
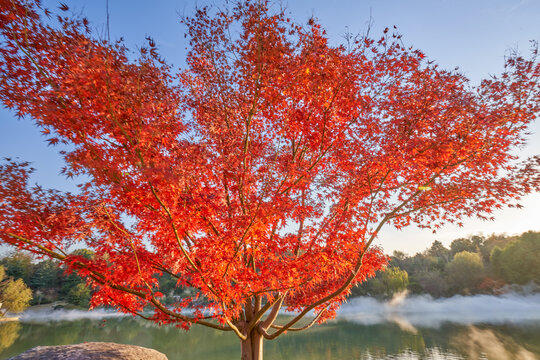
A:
[91,351]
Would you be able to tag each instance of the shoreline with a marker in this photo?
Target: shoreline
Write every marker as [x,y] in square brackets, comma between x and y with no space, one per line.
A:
[11,318]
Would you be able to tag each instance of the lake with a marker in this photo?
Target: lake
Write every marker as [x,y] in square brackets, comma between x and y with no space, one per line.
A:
[478,327]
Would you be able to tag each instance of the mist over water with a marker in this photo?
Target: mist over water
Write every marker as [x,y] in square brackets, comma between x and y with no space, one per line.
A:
[406,311]
[48,315]
[424,311]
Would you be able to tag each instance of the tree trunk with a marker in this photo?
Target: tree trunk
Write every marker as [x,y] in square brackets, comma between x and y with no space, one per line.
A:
[252,347]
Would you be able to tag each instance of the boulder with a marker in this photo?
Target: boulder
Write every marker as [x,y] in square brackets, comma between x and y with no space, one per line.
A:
[91,351]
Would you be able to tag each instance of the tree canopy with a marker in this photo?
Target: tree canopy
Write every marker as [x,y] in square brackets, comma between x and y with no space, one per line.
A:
[260,174]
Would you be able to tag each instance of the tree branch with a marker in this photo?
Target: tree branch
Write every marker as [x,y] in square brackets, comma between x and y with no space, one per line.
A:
[101,279]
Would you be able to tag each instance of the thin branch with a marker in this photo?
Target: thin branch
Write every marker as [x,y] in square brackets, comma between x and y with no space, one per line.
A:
[131,244]
[351,277]
[307,326]
[179,241]
[101,279]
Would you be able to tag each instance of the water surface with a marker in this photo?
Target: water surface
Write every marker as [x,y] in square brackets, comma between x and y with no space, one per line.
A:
[412,328]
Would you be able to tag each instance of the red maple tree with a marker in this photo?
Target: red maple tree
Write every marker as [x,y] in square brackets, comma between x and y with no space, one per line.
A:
[259,175]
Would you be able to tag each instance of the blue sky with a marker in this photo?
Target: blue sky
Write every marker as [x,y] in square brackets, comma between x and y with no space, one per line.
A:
[474,35]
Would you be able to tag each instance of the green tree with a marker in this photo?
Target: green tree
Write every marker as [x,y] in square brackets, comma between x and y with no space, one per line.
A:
[19,266]
[472,244]
[15,296]
[518,262]
[425,269]
[46,275]
[79,295]
[432,282]
[384,284]
[492,242]
[167,284]
[465,271]
[45,281]
[73,288]
[438,250]
[399,258]
[421,263]
[85,253]
[394,280]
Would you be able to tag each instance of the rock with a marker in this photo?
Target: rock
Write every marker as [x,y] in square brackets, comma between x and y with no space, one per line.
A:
[91,351]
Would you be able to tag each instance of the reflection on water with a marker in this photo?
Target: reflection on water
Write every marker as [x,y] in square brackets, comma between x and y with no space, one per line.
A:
[478,327]
[337,340]
[481,343]
[9,332]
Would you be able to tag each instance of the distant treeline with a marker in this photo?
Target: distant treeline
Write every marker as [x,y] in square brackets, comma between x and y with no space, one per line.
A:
[473,265]
[47,279]
[50,283]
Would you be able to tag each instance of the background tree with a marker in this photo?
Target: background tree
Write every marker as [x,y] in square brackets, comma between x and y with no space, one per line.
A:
[492,242]
[439,251]
[45,281]
[394,280]
[518,262]
[79,295]
[262,173]
[15,296]
[19,266]
[472,244]
[386,283]
[465,271]
[432,282]
[399,258]
[46,275]
[73,287]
